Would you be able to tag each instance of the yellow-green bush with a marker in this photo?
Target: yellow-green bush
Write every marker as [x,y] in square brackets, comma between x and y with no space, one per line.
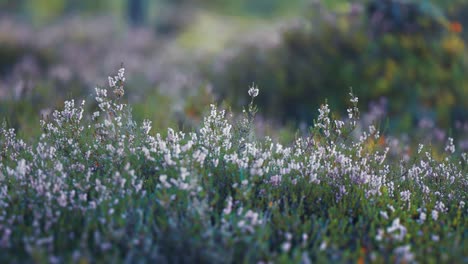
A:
[421,72]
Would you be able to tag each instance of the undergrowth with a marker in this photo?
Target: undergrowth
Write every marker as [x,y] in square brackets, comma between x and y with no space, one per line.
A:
[100,187]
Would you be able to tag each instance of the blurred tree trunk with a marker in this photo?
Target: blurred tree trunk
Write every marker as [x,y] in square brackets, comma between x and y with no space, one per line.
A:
[136,12]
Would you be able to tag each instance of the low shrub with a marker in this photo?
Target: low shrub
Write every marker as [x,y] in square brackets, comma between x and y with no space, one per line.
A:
[417,63]
[100,187]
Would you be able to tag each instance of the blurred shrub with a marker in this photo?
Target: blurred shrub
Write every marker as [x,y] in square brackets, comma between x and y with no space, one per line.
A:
[42,12]
[253,7]
[417,62]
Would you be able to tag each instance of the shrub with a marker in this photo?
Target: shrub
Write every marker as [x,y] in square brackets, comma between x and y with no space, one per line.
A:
[100,187]
[418,66]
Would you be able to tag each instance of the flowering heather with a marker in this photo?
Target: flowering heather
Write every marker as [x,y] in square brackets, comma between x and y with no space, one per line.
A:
[98,187]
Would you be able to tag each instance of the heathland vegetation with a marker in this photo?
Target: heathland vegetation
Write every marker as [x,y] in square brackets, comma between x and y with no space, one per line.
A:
[178,158]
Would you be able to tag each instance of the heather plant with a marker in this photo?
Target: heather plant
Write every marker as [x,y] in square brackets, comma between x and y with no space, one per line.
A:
[99,187]
[41,67]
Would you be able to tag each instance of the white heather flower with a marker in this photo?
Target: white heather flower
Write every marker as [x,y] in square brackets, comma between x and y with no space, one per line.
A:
[450,146]
[323,246]
[253,91]
[404,254]
[384,214]
[146,126]
[163,180]
[380,234]
[110,148]
[405,195]
[96,114]
[426,189]
[119,92]
[241,224]
[62,200]
[58,166]
[168,159]
[354,99]
[323,120]
[21,168]
[435,215]
[101,92]
[339,125]
[253,217]
[121,74]
[324,111]
[184,173]
[105,246]
[228,208]
[275,180]
[396,226]
[462,204]
[286,246]
[112,82]
[5,241]
[83,196]
[440,206]
[422,217]
[435,238]
[421,146]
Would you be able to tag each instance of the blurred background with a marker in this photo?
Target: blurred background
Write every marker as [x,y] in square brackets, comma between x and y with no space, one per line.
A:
[406,60]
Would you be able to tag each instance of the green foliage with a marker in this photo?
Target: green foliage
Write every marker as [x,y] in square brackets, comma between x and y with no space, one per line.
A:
[420,72]
[265,8]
